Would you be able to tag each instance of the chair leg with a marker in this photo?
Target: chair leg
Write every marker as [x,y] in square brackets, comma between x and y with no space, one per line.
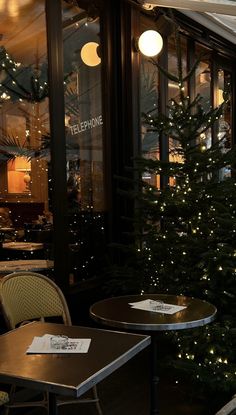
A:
[4,399]
[97,402]
[5,410]
[11,393]
[24,404]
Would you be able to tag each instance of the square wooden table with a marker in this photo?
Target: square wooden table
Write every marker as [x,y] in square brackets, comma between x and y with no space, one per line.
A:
[70,374]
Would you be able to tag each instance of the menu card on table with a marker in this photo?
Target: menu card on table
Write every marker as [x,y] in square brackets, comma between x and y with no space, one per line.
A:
[50,343]
[157,306]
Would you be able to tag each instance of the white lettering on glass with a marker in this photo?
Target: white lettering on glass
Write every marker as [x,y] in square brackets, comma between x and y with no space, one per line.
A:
[86,125]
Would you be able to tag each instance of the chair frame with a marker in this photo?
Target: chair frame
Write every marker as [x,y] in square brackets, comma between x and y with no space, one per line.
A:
[9,321]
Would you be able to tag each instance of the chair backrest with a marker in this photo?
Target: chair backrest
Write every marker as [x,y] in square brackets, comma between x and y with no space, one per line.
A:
[30,295]
[5,219]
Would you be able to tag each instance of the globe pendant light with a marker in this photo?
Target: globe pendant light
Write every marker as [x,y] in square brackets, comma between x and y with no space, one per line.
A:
[89,54]
[150,43]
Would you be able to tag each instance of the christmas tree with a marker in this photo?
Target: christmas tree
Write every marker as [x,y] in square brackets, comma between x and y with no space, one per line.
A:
[185,231]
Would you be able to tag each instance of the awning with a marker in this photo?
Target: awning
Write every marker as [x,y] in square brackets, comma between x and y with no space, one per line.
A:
[226,7]
[217,15]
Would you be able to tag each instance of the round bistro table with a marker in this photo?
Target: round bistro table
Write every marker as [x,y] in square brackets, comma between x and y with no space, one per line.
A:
[117,312]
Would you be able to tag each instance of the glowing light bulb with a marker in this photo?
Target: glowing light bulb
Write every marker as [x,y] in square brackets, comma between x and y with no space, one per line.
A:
[89,54]
[150,43]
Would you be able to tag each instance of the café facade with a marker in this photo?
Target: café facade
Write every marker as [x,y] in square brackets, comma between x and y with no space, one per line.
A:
[73,86]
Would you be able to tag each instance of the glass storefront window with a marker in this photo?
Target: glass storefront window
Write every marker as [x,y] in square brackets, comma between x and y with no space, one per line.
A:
[208,84]
[84,138]
[83,110]
[173,89]
[24,116]
[149,101]
[203,82]
[149,105]
[224,86]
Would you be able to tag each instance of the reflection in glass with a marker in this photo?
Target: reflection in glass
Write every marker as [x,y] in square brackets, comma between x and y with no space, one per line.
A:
[84,140]
[173,90]
[225,122]
[24,120]
[149,105]
[203,88]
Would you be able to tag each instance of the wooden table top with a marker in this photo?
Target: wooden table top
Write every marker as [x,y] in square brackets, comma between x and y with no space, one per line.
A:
[7,267]
[23,246]
[116,312]
[65,374]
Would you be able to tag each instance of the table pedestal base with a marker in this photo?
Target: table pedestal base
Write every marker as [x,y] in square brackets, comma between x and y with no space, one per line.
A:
[154,377]
[52,404]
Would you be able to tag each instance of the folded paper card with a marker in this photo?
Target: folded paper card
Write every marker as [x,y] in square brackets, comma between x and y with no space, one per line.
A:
[157,306]
[50,343]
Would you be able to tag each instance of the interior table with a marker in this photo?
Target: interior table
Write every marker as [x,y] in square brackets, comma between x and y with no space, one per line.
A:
[65,374]
[117,312]
[37,265]
[22,250]
[23,246]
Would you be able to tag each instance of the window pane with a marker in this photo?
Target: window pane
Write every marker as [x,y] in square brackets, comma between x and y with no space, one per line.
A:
[225,86]
[149,101]
[203,88]
[84,138]
[24,120]
[225,122]
[173,88]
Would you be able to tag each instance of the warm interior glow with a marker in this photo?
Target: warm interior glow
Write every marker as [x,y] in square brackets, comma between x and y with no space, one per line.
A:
[27,178]
[18,175]
[150,43]
[21,164]
[220,96]
[89,54]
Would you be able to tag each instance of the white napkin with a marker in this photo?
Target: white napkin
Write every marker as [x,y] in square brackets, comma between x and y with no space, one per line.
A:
[157,306]
[42,345]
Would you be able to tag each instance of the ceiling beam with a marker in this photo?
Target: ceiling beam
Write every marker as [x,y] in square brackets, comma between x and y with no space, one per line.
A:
[204,6]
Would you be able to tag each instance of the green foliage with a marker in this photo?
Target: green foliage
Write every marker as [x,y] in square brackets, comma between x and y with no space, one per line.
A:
[27,83]
[185,233]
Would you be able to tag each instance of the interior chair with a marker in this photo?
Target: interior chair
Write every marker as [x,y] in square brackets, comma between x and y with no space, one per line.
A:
[5,219]
[29,296]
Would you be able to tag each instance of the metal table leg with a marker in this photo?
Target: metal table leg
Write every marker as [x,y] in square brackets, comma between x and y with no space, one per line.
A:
[52,404]
[154,377]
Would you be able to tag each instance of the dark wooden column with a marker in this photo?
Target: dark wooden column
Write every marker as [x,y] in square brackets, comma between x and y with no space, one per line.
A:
[120,103]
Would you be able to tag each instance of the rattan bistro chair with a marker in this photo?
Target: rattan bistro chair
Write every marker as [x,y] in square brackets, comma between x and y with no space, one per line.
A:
[4,398]
[28,296]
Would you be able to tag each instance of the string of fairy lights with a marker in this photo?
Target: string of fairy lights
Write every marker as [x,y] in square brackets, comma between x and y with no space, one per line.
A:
[11,87]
